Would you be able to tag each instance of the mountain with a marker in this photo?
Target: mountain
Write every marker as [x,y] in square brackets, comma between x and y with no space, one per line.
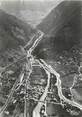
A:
[65,12]
[62,28]
[13,32]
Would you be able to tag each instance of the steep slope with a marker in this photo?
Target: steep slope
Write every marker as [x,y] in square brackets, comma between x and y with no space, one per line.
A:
[62,28]
[60,16]
[13,32]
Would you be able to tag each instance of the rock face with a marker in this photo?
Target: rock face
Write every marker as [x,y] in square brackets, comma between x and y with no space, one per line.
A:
[13,32]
